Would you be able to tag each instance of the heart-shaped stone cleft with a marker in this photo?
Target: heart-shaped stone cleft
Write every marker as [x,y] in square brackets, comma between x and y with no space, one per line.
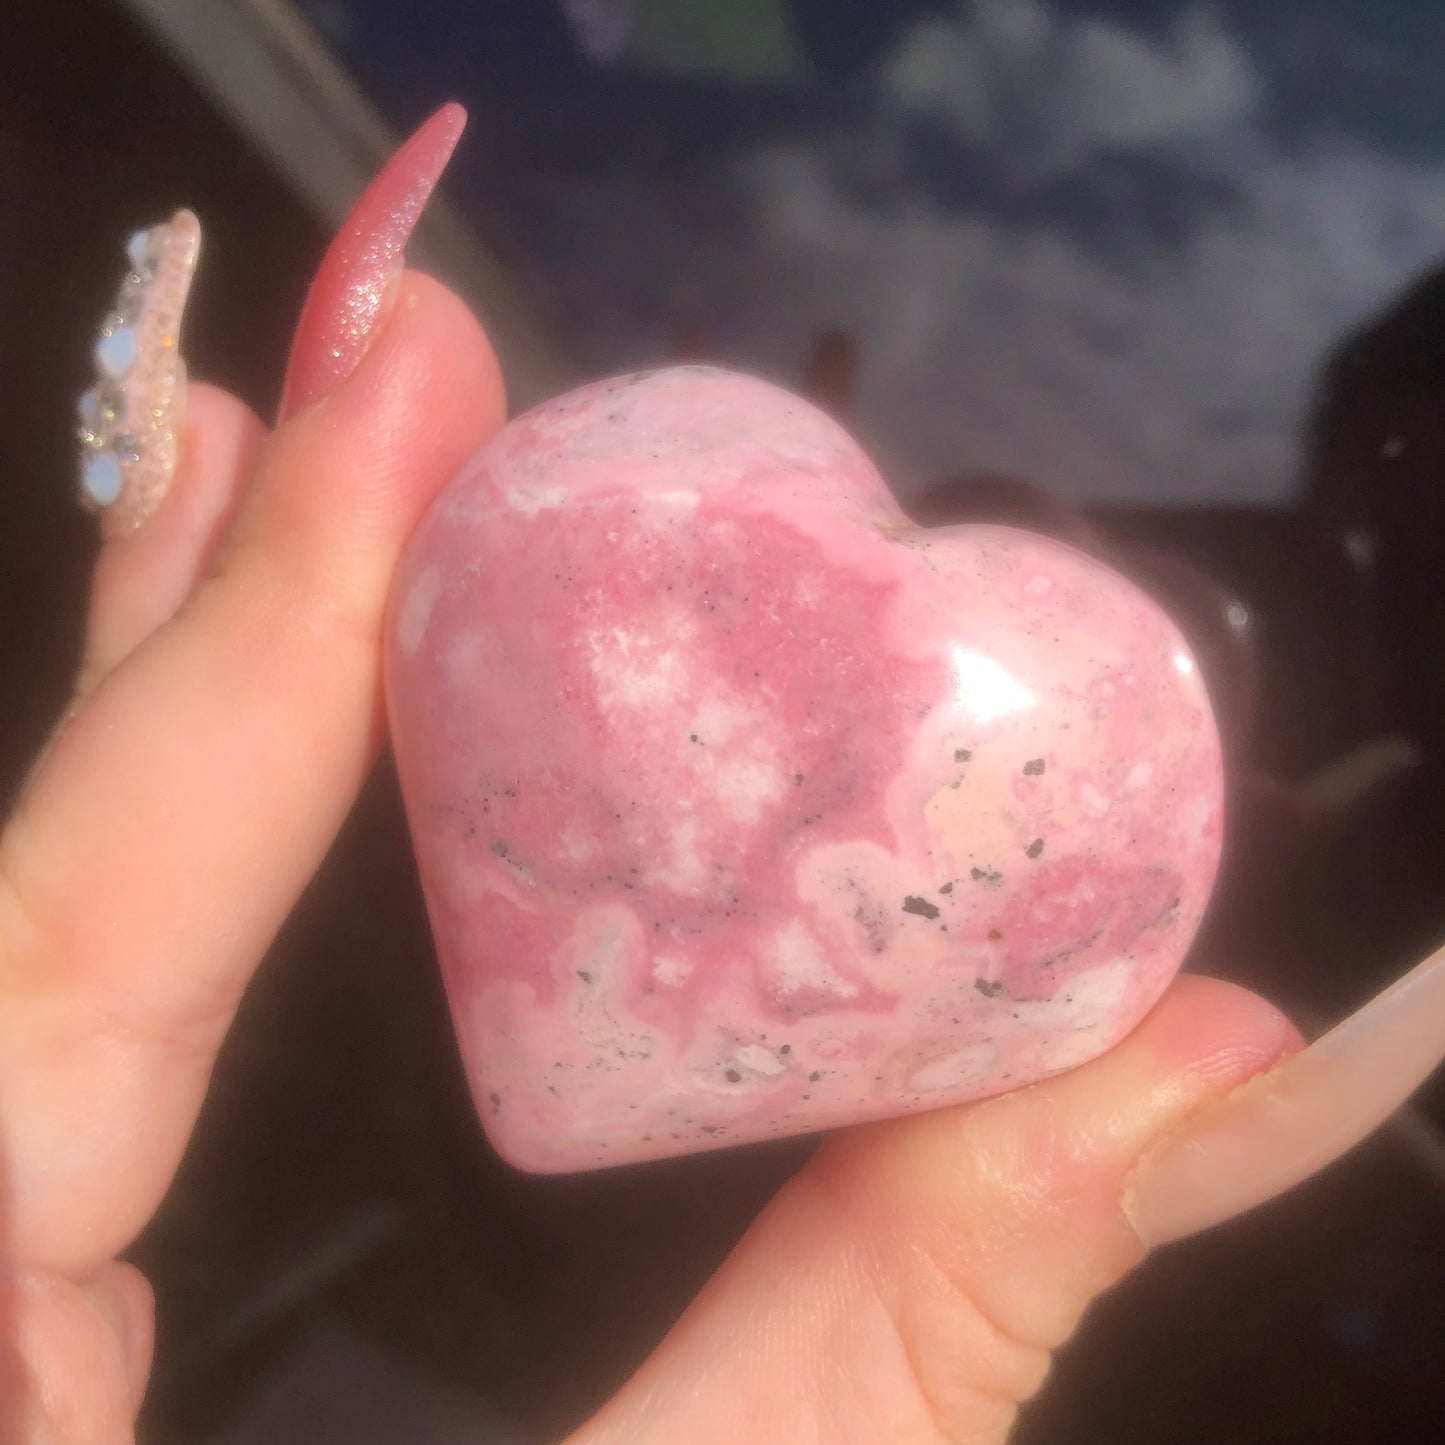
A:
[745,808]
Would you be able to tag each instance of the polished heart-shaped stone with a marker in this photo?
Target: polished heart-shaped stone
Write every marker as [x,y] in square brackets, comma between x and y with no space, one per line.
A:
[745,808]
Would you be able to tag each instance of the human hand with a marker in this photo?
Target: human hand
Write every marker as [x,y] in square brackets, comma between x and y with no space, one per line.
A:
[909,1284]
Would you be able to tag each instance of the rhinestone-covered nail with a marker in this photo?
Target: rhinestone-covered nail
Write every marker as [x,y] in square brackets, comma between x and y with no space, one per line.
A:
[130,419]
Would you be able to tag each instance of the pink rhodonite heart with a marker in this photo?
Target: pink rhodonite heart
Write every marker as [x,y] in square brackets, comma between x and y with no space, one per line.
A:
[745,808]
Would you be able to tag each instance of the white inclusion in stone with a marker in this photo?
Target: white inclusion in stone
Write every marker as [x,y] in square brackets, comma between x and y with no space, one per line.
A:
[100,476]
[719,721]
[1092,801]
[603,949]
[671,972]
[115,353]
[416,611]
[964,1068]
[1090,1006]
[465,882]
[672,501]
[747,785]
[758,1060]
[464,660]
[808,590]
[737,762]
[575,846]
[606,949]
[798,964]
[637,668]
[684,871]
[1096,996]
[528,501]
[1140,775]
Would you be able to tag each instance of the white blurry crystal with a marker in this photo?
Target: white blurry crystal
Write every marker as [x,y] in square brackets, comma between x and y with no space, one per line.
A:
[100,478]
[115,352]
[138,249]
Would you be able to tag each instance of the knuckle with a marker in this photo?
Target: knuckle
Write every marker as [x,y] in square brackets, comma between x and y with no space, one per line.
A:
[970,1371]
[966,1372]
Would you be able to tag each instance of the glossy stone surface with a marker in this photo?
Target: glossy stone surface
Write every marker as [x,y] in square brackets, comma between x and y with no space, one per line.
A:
[744,808]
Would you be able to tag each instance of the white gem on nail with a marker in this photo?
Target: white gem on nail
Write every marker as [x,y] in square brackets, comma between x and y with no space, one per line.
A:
[115,352]
[138,248]
[101,478]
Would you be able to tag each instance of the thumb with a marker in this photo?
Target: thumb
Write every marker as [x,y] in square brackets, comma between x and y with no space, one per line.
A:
[911,1282]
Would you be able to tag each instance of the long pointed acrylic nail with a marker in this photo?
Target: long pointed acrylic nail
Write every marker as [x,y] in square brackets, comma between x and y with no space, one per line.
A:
[348,296]
[130,419]
[1294,1119]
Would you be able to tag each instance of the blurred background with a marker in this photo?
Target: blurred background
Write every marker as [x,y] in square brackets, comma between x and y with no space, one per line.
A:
[1164,279]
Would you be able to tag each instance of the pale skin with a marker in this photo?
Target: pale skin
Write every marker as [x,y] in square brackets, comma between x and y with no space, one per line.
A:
[908,1285]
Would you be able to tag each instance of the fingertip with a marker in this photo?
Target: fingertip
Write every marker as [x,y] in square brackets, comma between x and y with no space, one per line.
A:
[436,350]
[1216,1031]
[221,438]
[214,412]
[354,471]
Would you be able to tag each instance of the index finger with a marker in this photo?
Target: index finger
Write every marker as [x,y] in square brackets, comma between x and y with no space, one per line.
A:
[187,803]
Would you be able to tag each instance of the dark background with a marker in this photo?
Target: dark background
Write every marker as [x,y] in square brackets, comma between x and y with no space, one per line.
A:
[339,1175]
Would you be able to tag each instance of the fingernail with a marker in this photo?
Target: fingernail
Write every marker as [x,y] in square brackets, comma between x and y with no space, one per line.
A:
[1294,1119]
[130,419]
[348,297]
